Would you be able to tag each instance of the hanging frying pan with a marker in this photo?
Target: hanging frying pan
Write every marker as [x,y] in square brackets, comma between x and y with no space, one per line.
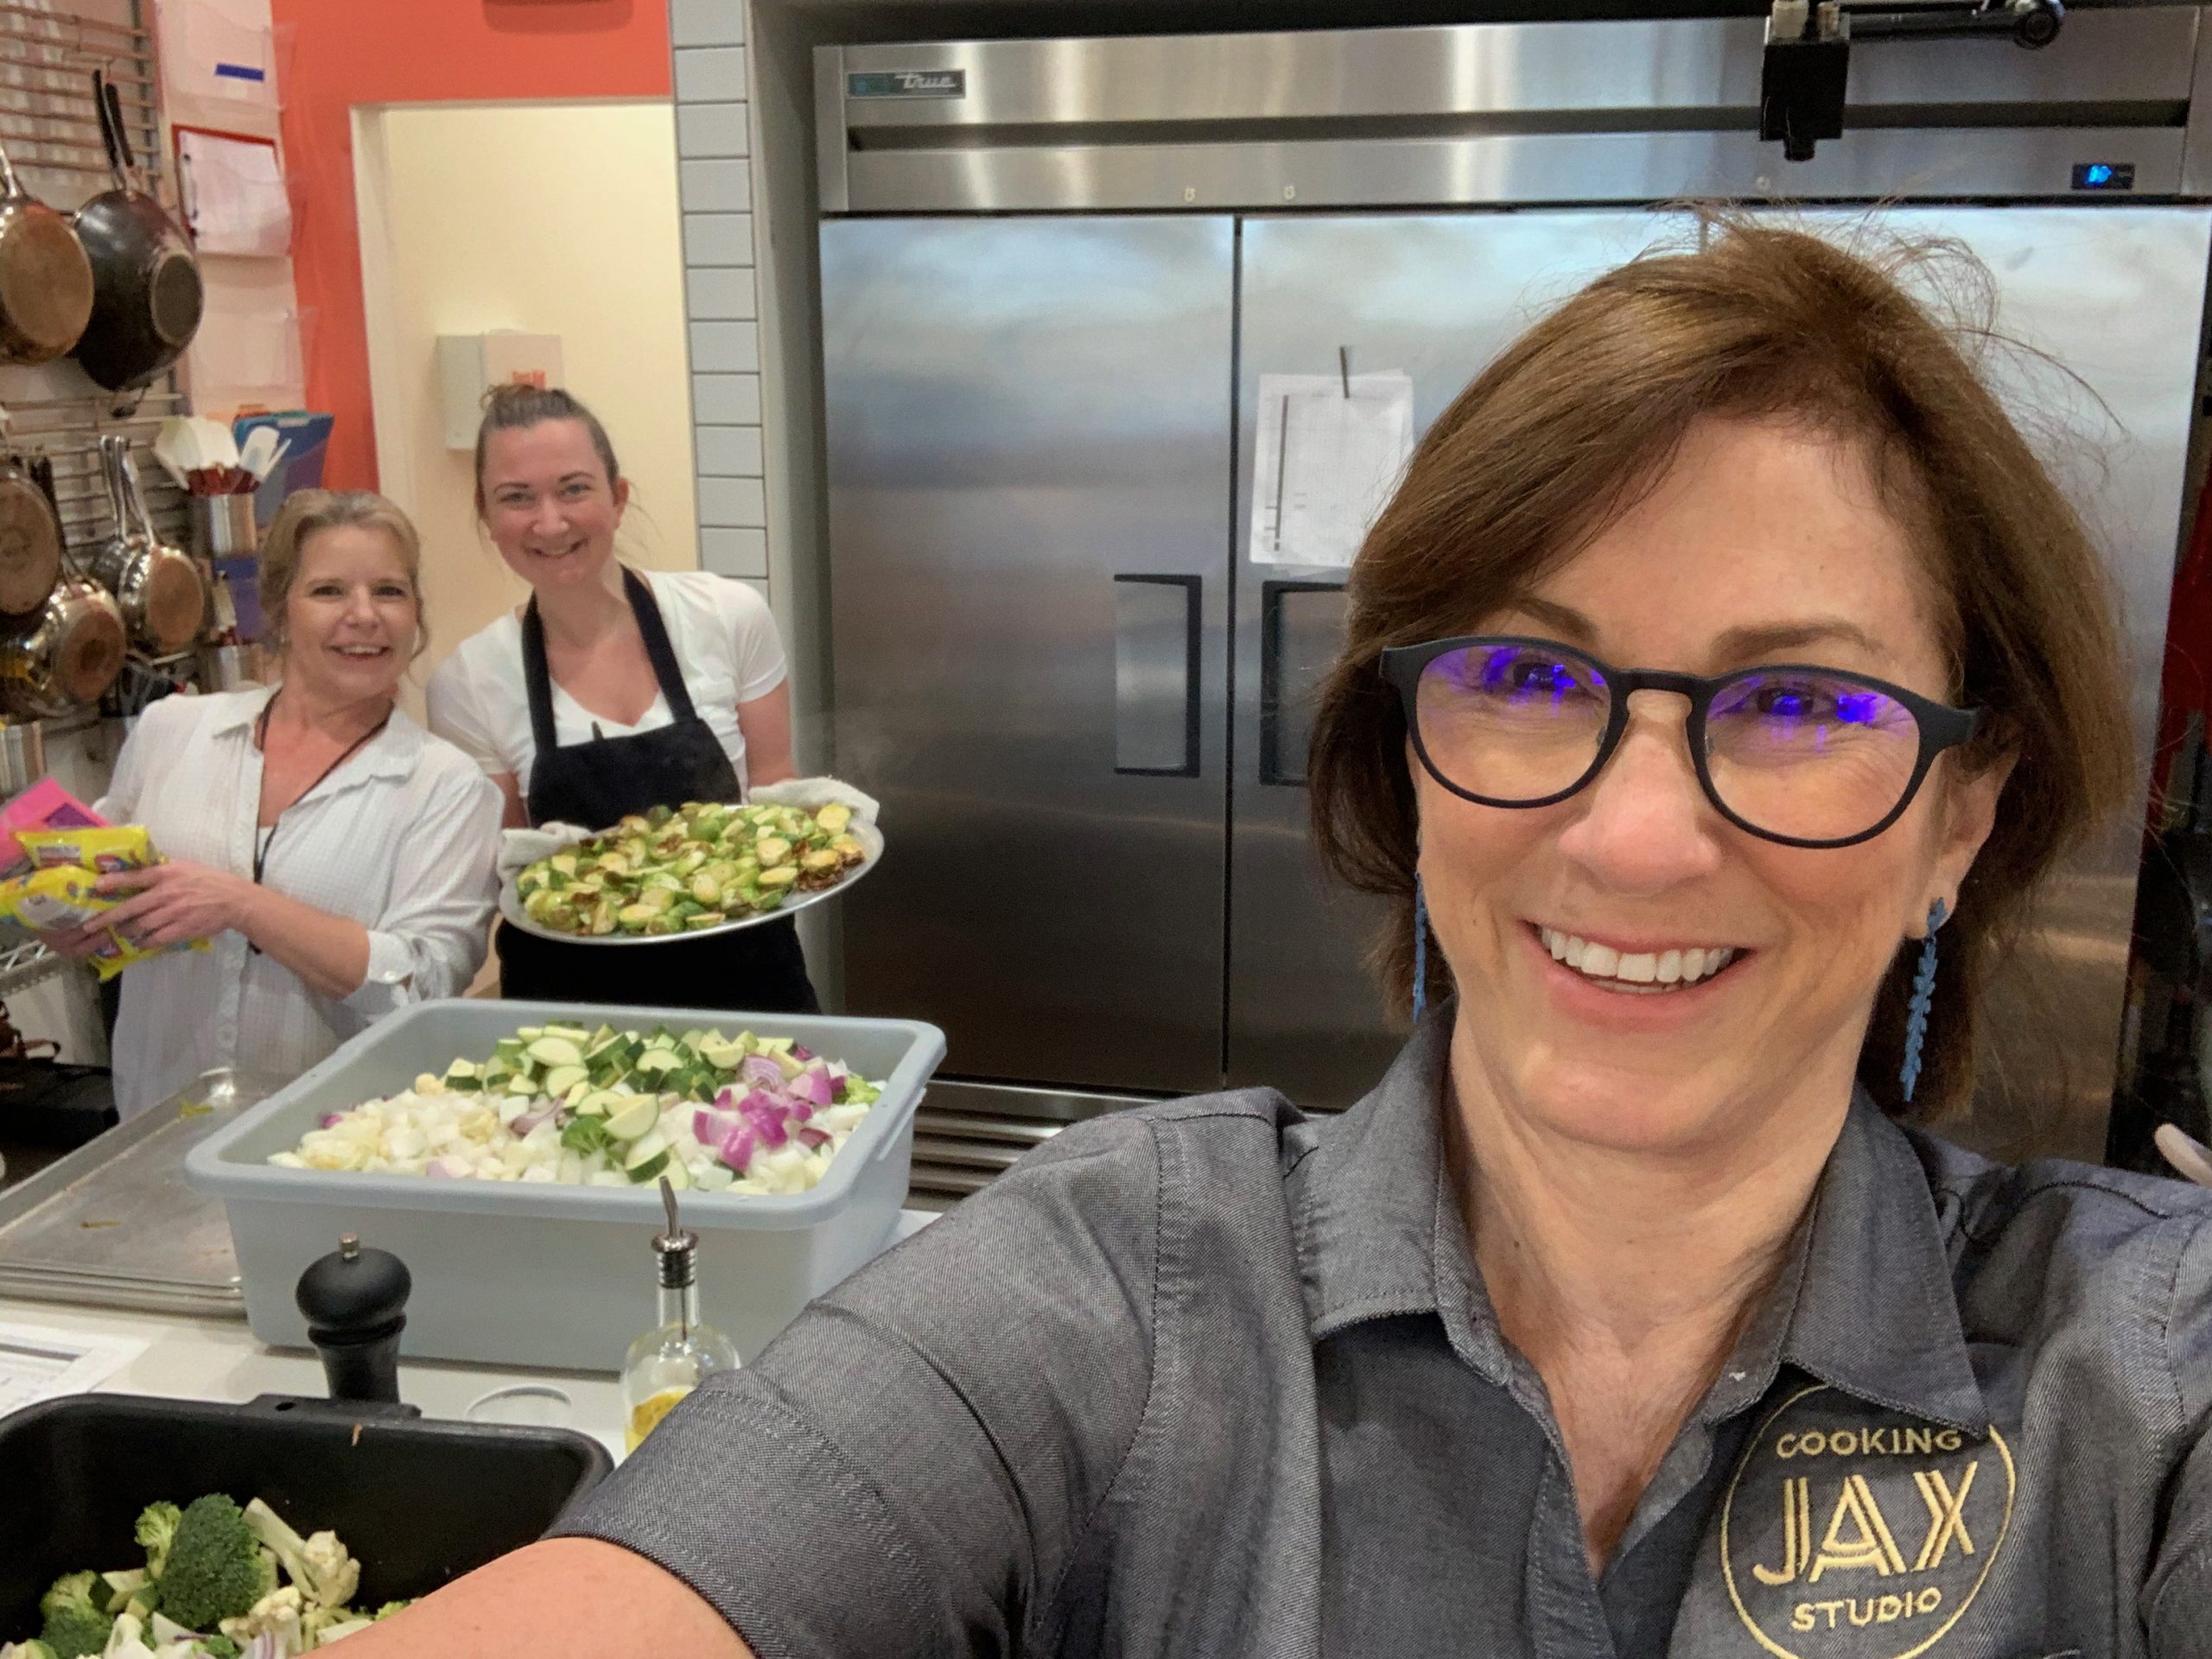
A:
[30,540]
[147,294]
[155,587]
[46,281]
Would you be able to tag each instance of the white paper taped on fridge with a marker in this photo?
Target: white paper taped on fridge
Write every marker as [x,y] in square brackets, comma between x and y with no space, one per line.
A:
[1330,449]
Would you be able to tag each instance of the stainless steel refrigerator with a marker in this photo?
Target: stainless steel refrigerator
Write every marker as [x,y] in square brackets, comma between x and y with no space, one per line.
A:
[1052,275]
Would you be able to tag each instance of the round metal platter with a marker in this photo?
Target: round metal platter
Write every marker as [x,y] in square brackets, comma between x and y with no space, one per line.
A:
[510,910]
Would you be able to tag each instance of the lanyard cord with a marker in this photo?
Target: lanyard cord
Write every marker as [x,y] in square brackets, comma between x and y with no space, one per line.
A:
[262,844]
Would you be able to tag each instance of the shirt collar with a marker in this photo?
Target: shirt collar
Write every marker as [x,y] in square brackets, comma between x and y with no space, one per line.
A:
[1865,1301]
[392,752]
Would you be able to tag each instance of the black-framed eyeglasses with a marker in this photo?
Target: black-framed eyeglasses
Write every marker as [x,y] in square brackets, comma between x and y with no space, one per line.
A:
[1793,753]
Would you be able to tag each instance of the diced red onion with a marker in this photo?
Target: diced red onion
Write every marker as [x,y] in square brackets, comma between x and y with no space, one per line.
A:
[530,1120]
[759,1070]
[813,1139]
[736,1147]
[771,1131]
[811,1085]
[331,1119]
[725,1099]
[801,1051]
[762,1104]
[446,1168]
[800,1111]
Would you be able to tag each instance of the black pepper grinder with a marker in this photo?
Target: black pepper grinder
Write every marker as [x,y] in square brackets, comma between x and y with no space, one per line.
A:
[356,1305]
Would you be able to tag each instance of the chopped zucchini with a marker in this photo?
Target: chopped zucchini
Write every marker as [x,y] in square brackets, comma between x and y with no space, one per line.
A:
[556,1050]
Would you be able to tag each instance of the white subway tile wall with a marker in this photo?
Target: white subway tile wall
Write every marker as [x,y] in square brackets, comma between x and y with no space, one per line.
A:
[725,400]
[713,141]
[732,551]
[725,347]
[714,291]
[729,451]
[706,22]
[708,72]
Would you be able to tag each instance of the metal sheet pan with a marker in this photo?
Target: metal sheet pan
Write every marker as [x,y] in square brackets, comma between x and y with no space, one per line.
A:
[511,910]
[114,1226]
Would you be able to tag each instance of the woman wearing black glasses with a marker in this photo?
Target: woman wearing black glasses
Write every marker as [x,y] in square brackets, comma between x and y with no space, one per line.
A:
[1719,685]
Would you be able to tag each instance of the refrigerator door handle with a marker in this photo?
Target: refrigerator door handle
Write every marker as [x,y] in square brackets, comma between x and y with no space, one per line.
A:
[1276,768]
[1156,675]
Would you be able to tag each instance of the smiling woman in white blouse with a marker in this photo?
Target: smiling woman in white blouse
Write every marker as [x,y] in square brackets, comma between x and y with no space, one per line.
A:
[338,857]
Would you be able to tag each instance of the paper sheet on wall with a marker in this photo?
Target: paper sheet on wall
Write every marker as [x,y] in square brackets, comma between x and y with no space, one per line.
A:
[1330,452]
[38,1362]
[234,194]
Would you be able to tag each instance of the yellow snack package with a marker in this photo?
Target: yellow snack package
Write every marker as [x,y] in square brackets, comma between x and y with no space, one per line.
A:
[105,848]
[68,896]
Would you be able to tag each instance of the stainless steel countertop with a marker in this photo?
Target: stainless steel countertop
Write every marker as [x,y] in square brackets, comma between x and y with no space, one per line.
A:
[113,1224]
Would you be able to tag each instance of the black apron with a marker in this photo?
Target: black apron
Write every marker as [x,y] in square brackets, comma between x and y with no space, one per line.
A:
[598,784]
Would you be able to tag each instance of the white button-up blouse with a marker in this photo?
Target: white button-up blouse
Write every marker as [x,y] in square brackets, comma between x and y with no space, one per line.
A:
[402,838]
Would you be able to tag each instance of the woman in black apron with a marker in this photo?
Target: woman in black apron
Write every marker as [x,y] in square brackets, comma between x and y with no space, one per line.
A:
[598,784]
[556,500]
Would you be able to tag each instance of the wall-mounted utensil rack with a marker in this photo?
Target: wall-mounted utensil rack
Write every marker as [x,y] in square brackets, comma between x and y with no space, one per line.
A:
[47,58]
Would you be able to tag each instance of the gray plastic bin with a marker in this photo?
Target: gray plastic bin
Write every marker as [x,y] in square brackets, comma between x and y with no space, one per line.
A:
[541,1274]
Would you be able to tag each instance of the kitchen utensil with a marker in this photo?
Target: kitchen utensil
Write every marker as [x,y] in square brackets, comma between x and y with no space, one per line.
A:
[175,447]
[22,755]
[147,292]
[260,452]
[46,280]
[156,586]
[511,910]
[417,1502]
[355,1304]
[30,537]
[223,526]
[64,658]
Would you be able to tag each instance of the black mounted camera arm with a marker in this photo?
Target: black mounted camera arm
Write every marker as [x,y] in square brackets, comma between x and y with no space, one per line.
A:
[1808,61]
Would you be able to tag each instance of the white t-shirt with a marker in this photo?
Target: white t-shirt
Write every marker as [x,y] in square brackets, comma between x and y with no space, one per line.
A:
[725,641]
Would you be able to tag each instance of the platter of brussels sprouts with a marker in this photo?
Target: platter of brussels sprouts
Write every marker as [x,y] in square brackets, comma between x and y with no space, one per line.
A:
[703,868]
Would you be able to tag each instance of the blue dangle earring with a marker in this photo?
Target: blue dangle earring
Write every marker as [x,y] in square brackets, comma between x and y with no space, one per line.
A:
[1924,994]
[1420,950]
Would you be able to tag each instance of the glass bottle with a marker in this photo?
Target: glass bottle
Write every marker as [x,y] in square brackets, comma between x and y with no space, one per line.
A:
[675,1356]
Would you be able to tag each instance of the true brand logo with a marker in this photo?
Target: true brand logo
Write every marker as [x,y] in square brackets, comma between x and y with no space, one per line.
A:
[908,83]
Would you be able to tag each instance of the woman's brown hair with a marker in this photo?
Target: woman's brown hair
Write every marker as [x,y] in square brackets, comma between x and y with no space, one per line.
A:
[1582,414]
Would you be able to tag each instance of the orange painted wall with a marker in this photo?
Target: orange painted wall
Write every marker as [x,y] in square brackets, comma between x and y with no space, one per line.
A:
[332,55]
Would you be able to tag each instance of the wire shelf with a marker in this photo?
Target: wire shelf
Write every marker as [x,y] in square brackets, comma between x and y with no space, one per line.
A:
[46,116]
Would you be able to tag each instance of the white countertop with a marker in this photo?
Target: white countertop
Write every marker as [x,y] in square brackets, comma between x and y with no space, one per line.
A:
[219,1359]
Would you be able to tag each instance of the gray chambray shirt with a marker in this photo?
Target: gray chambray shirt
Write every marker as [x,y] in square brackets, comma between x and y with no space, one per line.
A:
[1214,1379]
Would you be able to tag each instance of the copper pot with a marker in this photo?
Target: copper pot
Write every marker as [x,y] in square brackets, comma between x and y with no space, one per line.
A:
[30,537]
[46,280]
[157,588]
[66,657]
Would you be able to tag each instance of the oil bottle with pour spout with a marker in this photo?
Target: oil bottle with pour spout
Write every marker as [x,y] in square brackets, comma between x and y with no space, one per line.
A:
[675,1356]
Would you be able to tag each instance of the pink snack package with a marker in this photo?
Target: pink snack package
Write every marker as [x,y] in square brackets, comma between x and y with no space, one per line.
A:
[44,805]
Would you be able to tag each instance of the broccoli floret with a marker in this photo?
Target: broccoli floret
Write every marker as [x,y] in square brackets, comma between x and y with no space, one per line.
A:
[156,1532]
[216,1568]
[74,1624]
[392,1607]
[26,1650]
[220,1647]
[321,1568]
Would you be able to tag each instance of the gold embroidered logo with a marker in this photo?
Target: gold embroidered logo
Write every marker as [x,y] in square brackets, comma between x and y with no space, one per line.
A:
[1842,1539]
